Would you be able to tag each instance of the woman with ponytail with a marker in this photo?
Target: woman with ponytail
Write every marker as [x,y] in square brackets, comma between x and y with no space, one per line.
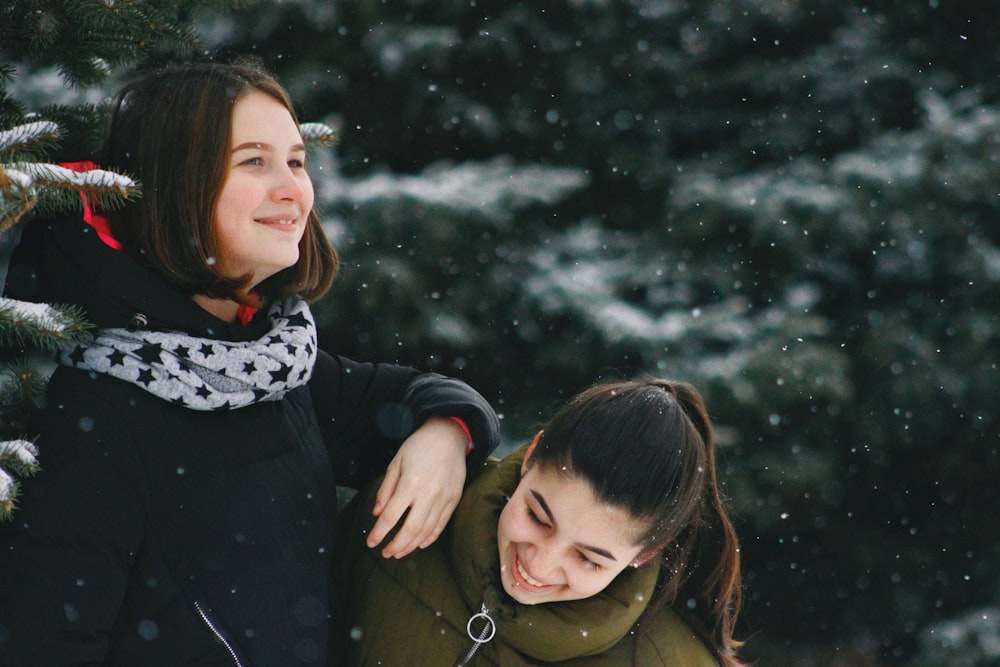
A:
[602,542]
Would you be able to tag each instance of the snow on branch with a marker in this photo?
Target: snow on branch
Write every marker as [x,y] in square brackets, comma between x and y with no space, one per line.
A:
[18,457]
[45,325]
[8,491]
[22,136]
[25,183]
[318,133]
[491,190]
[96,180]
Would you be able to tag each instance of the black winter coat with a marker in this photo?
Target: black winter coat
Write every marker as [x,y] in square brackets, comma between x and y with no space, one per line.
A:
[160,535]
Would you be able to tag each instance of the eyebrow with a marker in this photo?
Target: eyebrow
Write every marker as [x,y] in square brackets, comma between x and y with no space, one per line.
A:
[548,513]
[260,145]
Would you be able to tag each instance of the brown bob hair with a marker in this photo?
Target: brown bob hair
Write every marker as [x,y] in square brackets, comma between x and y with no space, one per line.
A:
[171,129]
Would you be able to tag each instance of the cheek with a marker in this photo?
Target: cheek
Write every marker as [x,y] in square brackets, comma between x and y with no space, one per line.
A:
[504,526]
[585,584]
[234,203]
[308,193]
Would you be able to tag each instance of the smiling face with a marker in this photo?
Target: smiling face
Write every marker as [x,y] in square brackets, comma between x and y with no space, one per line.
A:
[267,195]
[559,542]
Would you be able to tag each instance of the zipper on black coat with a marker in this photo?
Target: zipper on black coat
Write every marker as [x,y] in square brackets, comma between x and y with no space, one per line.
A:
[228,645]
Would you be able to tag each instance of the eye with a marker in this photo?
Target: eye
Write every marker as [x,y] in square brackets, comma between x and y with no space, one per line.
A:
[535,520]
[253,161]
[587,563]
[297,163]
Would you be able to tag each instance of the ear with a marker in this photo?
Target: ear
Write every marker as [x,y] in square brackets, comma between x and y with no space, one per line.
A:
[529,452]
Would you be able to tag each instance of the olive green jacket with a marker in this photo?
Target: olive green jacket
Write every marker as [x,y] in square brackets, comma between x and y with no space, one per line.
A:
[413,612]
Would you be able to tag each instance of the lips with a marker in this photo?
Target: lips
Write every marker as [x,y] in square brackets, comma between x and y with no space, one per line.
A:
[525,579]
[281,222]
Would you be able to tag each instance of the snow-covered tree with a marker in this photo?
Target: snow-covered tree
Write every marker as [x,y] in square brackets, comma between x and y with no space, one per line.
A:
[792,204]
[82,43]
[27,184]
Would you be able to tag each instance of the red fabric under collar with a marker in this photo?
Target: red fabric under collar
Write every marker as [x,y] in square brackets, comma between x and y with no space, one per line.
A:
[91,216]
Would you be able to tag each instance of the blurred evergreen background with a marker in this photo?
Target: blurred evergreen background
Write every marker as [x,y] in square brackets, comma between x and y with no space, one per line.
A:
[793,206]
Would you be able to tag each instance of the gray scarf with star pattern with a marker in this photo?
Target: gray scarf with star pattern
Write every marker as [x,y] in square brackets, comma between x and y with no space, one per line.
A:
[203,373]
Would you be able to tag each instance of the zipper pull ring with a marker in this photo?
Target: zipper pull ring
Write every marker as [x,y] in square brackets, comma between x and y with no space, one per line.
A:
[485,635]
[489,628]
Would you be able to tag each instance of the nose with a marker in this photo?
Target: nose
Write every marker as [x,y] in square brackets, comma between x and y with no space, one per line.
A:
[544,563]
[289,186]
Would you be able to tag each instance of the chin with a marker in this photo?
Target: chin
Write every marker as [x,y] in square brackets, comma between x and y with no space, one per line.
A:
[514,591]
[518,596]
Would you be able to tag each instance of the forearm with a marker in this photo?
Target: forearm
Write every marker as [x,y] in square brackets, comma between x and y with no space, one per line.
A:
[430,394]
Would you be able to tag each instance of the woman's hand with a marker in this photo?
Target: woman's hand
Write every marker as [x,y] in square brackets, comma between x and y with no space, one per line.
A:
[425,477]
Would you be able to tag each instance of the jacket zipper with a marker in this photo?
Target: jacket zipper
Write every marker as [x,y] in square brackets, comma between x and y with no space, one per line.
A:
[218,634]
[485,635]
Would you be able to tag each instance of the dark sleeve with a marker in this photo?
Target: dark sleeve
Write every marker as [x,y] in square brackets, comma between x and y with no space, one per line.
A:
[432,394]
[366,410]
[66,552]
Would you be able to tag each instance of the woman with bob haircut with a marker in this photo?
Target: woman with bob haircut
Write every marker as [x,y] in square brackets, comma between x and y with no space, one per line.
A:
[191,446]
[602,543]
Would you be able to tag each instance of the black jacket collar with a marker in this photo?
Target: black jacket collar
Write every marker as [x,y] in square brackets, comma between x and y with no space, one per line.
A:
[63,261]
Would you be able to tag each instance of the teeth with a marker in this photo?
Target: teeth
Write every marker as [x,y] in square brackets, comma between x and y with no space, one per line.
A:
[527,577]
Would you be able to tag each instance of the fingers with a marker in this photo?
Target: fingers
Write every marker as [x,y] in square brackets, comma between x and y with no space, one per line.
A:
[423,520]
[387,488]
[422,487]
[438,528]
[385,493]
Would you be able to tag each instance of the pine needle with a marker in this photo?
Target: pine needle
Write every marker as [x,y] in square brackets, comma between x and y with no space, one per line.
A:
[40,325]
[319,133]
[23,136]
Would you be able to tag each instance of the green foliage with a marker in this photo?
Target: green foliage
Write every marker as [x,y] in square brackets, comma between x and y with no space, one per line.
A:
[792,205]
[789,204]
[86,42]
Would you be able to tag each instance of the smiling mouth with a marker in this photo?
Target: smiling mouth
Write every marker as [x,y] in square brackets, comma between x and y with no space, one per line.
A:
[522,573]
[281,222]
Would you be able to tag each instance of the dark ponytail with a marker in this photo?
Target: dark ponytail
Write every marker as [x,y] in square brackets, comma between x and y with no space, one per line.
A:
[649,446]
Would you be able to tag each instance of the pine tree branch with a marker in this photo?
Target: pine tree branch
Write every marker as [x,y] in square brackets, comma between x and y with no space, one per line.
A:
[17,457]
[20,457]
[9,490]
[20,392]
[25,135]
[17,197]
[21,181]
[40,325]
[319,133]
[97,181]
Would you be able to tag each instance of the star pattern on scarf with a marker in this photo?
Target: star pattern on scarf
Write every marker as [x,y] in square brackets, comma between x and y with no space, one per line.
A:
[207,374]
[145,377]
[297,320]
[280,375]
[116,358]
[76,356]
[151,354]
